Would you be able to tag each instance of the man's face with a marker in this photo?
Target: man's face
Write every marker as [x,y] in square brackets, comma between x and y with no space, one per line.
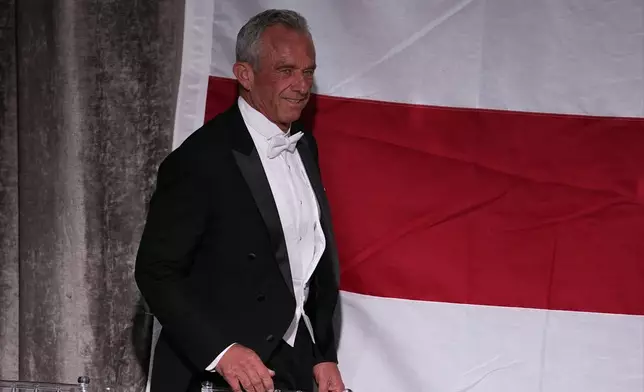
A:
[281,85]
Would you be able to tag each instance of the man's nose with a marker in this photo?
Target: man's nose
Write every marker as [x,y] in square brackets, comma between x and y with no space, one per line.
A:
[302,84]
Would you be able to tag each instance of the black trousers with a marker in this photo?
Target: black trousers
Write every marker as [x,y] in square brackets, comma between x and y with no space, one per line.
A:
[293,366]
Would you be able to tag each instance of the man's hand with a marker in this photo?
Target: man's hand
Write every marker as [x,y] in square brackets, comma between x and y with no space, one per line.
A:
[241,366]
[327,375]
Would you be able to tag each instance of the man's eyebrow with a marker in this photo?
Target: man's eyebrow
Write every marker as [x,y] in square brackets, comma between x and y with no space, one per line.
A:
[286,64]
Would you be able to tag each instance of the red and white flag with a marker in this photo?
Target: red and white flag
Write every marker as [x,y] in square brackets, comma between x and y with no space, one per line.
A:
[484,162]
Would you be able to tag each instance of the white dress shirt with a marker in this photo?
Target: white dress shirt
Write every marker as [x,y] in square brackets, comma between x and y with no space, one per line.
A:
[298,211]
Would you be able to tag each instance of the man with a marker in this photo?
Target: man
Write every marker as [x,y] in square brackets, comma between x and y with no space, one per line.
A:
[237,259]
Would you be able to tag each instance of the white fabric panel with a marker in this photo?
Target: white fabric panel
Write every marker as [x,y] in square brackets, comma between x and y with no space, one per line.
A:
[378,49]
[566,56]
[555,56]
[403,345]
[195,63]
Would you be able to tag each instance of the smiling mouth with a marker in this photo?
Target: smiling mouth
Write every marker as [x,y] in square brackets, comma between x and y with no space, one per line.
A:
[295,101]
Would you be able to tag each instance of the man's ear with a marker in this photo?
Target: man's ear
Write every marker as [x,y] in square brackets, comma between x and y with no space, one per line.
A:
[244,74]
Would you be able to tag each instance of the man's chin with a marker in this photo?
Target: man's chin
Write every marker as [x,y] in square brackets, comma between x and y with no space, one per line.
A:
[291,115]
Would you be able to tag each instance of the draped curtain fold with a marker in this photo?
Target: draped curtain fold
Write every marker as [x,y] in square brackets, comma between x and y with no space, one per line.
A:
[86,116]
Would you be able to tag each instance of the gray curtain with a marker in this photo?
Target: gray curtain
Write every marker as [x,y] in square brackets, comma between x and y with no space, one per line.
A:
[87,111]
[9,304]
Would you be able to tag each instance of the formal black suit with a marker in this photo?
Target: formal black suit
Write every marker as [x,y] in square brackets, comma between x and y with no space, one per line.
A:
[212,262]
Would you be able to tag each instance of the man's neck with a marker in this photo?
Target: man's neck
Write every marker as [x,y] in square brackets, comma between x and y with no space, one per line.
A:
[247,97]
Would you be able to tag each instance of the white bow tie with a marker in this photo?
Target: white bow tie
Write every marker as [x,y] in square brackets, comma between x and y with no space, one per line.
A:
[279,143]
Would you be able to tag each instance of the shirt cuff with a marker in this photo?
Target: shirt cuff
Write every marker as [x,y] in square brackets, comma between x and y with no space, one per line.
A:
[213,364]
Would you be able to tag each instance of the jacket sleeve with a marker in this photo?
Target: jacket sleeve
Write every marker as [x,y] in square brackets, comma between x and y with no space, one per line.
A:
[325,324]
[179,213]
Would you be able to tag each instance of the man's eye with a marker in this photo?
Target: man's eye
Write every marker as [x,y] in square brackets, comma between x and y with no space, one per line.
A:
[308,72]
[286,71]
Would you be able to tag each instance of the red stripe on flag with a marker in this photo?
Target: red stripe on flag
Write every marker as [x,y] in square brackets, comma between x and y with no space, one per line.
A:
[479,206]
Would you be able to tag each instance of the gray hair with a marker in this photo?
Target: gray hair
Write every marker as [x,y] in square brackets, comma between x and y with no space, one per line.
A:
[249,37]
